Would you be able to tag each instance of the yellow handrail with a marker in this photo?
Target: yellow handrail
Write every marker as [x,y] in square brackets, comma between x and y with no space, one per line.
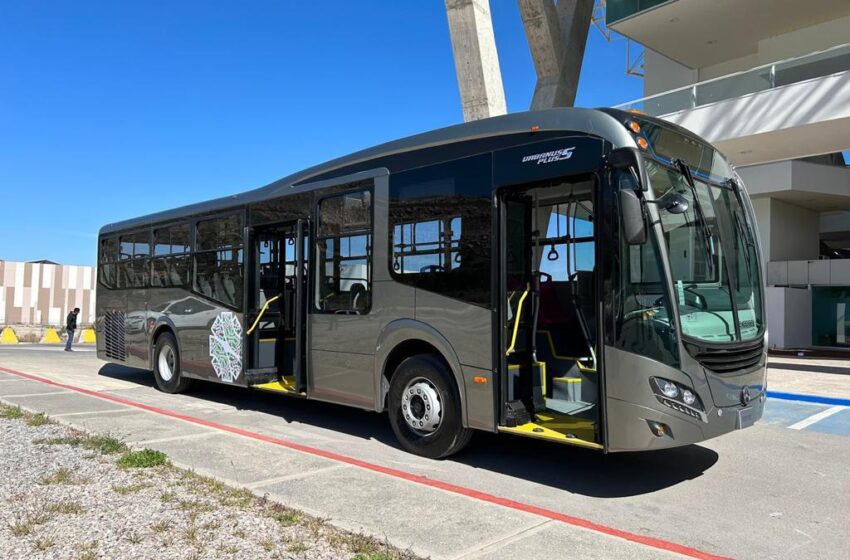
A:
[516,321]
[260,316]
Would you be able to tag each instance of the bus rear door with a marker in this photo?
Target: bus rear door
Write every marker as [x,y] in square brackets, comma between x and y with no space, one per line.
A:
[275,321]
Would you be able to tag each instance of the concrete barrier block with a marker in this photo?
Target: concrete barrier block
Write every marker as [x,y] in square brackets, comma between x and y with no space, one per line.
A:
[88,336]
[8,336]
[51,337]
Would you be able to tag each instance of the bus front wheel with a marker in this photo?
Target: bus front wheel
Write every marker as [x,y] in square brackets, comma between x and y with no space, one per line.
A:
[166,365]
[424,408]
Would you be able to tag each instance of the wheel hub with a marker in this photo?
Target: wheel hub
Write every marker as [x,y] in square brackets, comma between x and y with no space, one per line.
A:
[422,406]
[166,363]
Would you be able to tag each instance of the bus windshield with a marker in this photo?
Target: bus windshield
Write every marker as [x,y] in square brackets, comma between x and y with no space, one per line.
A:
[713,258]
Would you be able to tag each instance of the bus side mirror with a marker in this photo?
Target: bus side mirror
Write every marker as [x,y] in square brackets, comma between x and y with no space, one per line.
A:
[630,161]
[634,221]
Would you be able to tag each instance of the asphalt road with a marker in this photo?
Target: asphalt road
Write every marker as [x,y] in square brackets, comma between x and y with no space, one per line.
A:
[780,489]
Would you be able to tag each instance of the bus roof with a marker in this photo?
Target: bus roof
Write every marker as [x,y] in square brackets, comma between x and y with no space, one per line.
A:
[605,123]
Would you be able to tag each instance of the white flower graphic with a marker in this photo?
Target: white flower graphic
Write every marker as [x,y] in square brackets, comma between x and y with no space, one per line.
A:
[226,347]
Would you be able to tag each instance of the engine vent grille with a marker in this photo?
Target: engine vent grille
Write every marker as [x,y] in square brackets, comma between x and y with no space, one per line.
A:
[728,360]
[114,342]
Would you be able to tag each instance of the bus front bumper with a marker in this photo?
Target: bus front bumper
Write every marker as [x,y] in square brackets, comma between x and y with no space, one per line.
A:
[633,427]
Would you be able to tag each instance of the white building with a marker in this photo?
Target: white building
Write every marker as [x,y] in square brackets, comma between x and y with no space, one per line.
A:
[768,82]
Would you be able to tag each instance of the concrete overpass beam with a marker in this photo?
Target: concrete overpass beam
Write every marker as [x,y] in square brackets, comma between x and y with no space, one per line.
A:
[476,60]
[557,35]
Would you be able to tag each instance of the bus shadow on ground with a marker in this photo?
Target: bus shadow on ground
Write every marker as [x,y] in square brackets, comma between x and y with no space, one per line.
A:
[566,468]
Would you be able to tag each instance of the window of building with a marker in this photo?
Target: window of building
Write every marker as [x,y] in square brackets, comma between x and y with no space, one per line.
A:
[218,259]
[441,230]
[134,262]
[107,262]
[171,264]
[344,253]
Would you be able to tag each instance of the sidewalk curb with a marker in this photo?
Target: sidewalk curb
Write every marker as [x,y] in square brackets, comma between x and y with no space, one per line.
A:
[808,398]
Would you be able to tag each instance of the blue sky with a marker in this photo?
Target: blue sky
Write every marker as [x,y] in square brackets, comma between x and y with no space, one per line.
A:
[110,110]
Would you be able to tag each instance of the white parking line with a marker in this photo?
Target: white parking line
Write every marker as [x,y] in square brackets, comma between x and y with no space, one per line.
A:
[176,438]
[293,476]
[814,418]
[42,394]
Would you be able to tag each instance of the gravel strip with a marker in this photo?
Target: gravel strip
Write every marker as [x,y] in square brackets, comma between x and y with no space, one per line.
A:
[63,496]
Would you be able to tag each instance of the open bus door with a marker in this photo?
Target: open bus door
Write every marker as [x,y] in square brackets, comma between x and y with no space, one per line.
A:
[552,377]
[275,321]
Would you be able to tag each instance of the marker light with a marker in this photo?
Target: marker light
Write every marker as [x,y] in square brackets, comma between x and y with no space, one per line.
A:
[642,143]
[634,126]
[658,429]
[669,389]
[688,397]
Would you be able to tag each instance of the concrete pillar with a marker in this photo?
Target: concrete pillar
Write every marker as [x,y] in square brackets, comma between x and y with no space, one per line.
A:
[476,60]
[557,35]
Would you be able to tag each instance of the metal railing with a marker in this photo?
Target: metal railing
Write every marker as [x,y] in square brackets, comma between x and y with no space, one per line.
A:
[761,78]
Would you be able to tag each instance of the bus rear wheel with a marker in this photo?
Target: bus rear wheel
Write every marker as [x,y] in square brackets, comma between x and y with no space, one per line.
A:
[166,366]
[424,408]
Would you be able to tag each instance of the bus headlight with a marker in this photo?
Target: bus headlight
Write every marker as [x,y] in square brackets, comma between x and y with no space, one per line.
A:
[678,397]
[668,388]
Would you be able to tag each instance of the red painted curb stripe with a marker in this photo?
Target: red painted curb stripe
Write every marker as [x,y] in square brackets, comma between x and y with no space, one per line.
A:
[419,479]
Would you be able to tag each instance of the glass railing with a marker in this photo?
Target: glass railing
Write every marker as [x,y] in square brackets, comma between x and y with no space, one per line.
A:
[762,78]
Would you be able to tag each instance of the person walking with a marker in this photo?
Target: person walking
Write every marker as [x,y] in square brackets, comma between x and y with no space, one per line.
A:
[70,327]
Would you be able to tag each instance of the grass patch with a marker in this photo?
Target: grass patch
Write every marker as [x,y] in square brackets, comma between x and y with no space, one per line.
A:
[61,476]
[285,516]
[195,506]
[73,441]
[39,419]
[190,534]
[297,547]
[143,459]
[134,538]
[123,490]
[107,445]
[65,508]
[23,526]
[11,412]
[161,526]
[167,497]
[43,544]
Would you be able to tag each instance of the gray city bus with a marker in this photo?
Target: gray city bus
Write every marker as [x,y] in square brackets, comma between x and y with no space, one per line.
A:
[588,277]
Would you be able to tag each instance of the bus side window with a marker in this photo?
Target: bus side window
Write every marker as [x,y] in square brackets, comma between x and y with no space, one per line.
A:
[344,253]
[440,220]
[218,259]
[170,259]
[107,262]
[134,259]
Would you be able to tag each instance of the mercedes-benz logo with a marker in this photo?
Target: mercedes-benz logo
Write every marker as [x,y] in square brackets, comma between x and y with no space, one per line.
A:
[745,395]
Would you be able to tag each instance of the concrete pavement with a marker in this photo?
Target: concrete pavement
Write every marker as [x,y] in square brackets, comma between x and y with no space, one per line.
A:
[765,492]
[809,376]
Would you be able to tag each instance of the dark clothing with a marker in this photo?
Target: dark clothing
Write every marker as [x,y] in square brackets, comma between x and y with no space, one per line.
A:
[71,321]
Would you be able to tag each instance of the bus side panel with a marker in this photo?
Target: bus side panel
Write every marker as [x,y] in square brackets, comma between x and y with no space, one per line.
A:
[469,329]
[110,302]
[138,354]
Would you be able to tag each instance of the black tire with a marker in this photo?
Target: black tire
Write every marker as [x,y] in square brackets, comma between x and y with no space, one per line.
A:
[173,381]
[448,436]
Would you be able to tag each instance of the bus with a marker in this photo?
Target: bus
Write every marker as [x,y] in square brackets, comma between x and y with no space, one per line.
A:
[582,276]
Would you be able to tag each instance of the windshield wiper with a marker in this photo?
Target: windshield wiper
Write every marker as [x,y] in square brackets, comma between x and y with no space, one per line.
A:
[703,224]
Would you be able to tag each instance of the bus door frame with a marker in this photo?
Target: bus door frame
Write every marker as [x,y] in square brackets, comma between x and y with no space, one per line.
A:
[290,319]
[519,166]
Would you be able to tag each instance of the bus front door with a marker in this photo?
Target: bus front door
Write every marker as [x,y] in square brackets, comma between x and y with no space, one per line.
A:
[275,320]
